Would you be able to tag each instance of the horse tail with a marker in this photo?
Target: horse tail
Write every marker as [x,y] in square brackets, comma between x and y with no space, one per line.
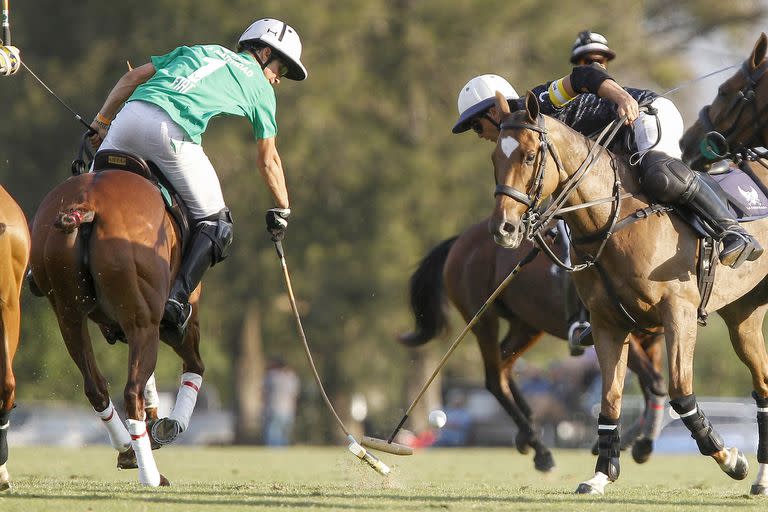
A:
[67,221]
[427,298]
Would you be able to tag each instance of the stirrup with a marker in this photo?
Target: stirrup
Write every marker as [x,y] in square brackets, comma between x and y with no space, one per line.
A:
[575,343]
[750,250]
[185,313]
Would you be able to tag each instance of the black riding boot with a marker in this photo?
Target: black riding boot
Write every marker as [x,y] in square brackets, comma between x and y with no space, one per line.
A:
[209,245]
[738,245]
[198,258]
[577,318]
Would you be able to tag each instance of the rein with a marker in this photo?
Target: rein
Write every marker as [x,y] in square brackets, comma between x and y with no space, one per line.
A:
[537,216]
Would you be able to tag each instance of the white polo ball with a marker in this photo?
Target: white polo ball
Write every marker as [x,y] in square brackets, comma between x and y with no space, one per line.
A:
[437,418]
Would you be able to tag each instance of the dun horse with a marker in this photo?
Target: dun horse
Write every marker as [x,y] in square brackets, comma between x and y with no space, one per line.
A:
[467,269]
[649,268]
[14,253]
[105,248]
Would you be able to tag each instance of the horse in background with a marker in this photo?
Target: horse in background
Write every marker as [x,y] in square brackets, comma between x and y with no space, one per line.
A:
[648,270]
[14,255]
[105,248]
[467,269]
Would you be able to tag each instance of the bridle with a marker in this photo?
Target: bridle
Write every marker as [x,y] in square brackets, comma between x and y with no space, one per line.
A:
[537,215]
[728,140]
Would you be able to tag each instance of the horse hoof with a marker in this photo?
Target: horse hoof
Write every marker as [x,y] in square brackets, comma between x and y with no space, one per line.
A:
[740,469]
[5,479]
[162,432]
[585,488]
[543,461]
[127,460]
[758,490]
[164,482]
[642,449]
[522,443]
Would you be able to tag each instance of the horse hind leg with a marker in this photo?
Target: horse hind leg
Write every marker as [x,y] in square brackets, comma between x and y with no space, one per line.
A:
[165,430]
[74,330]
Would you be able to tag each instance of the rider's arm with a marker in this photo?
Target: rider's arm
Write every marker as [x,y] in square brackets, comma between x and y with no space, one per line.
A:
[271,168]
[124,88]
[596,80]
[117,96]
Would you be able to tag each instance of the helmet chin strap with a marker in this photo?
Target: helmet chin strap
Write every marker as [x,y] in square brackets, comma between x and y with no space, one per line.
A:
[262,63]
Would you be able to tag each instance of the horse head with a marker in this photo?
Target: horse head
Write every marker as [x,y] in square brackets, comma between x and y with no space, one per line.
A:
[736,119]
[519,161]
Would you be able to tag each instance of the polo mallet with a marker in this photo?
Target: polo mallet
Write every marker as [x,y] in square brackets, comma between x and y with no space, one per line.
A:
[527,259]
[353,446]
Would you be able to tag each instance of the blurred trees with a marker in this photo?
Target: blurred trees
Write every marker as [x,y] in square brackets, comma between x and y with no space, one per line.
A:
[375,176]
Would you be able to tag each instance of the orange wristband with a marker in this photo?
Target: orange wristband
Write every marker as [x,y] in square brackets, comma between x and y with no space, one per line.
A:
[103,120]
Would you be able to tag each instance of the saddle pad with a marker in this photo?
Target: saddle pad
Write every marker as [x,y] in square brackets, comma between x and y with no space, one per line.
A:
[744,196]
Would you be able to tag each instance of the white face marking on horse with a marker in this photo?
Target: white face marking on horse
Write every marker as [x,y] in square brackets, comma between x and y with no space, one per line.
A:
[508,145]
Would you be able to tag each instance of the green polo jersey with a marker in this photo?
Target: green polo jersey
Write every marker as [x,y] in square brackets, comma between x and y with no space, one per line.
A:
[194,84]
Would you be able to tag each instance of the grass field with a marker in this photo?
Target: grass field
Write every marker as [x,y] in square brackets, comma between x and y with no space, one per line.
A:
[330,478]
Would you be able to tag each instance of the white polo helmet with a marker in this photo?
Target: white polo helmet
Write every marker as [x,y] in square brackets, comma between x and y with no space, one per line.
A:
[283,39]
[479,94]
[590,42]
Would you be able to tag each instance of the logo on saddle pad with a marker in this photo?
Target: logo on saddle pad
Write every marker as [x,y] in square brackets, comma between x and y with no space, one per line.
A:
[751,196]
[116,160]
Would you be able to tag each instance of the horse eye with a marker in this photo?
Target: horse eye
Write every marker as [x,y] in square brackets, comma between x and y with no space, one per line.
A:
[722,93]
[530,157]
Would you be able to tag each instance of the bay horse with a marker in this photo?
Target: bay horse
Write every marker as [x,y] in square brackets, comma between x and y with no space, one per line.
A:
[646,271]
[467,269]
[105,248]
[14,255]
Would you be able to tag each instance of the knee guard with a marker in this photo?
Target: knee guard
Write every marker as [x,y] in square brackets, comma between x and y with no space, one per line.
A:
[4,423]
[708,440]
[762,428]
[219,229]
[667,179]
[608,447]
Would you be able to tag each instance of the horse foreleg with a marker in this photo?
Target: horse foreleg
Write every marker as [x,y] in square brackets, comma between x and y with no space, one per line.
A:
[745,322]
[9,332]
[497,382]
[680,332]
[611,348]
[645,362]
[151,399]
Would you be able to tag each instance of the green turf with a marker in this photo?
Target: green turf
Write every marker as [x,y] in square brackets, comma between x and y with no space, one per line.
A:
[330,478]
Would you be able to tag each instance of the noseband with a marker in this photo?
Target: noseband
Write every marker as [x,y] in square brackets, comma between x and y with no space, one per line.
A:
[745,97]
[530,199]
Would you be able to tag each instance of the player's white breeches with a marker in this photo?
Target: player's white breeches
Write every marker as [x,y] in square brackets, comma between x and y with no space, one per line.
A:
[647,134]
[148,131]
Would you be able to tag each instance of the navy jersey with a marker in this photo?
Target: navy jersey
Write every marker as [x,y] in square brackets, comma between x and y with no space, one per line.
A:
[588,113]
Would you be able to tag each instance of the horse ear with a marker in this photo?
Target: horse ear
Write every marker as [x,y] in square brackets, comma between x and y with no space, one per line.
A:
[532,106]
[758,53]
[501,103]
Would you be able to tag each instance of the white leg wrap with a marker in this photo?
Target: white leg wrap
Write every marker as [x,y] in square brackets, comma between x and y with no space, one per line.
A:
[762,475]
[186,399]
[148,473]
[151,398]
[598,483]
[118,435]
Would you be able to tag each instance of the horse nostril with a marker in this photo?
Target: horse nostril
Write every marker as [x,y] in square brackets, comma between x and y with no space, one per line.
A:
[509,228]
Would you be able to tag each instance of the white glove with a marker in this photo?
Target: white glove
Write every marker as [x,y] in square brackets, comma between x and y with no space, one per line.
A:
[10,60]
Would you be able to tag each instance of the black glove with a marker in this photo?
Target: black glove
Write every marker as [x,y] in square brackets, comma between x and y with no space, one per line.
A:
[277,222]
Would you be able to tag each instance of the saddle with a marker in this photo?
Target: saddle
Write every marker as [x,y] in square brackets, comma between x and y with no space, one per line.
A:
[120,160]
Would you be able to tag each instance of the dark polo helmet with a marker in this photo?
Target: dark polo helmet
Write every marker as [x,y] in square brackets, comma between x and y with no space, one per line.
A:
[590,42]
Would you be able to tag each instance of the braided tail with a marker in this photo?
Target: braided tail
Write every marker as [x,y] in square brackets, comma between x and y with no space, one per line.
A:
[69,220]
